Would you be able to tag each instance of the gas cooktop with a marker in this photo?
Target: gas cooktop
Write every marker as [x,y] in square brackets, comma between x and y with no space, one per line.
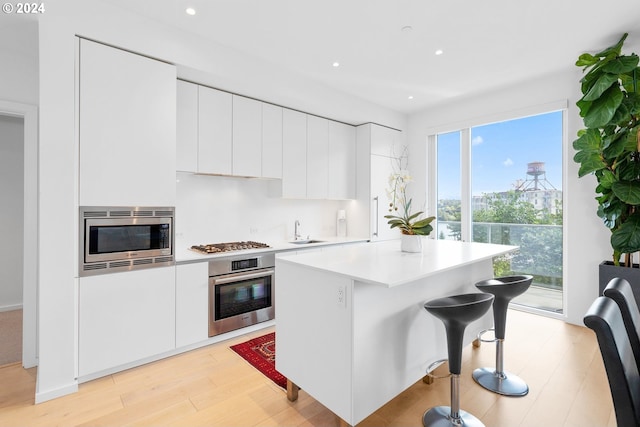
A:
[214,248]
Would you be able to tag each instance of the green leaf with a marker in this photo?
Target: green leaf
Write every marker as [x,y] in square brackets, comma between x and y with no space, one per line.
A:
[423,231]
[603,83]
[603,109]
[615,146]
[584,107]
[626,238]
[613,50]
[622,64]
[627,191]
[589,140]
[586,60]
[423,222]
[589,162]
[607,179]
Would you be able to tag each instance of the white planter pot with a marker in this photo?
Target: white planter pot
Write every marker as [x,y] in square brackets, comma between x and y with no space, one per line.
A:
[411,243]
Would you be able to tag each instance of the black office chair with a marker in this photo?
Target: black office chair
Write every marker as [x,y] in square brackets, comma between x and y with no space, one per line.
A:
[605,318]
[620,291]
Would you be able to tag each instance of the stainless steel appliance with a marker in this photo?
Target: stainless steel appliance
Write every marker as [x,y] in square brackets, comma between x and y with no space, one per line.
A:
[125,238]
[241,291]
[213,248]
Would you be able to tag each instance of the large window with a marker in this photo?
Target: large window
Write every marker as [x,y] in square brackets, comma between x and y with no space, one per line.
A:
[502,183]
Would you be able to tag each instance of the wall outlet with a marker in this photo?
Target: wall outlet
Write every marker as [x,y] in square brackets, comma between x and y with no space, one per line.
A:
[253,230]
[341,296]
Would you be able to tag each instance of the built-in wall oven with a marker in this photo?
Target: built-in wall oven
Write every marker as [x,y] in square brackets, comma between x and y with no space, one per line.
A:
[241,291]
[125,238]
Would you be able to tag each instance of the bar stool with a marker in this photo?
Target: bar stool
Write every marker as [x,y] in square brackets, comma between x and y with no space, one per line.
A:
[498,380]
[456,312]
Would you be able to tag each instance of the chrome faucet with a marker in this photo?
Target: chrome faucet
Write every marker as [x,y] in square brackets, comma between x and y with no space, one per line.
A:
[296,234]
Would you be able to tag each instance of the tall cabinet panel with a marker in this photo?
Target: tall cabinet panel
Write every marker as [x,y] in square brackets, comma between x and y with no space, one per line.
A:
[317,157]
[214,130]
[342,161]
[271,141]
[377,148]
[294,154]
[127,128]
[187,127]
[247,137]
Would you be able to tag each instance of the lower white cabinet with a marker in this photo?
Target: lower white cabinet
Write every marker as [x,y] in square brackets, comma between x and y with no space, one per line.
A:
[125,317]
[192,307]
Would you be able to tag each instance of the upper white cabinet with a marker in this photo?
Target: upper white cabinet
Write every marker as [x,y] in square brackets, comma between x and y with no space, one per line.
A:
[127,128]
[187,127]
[342,161]
[317,157]
[271,141]
[221,133]
[294,154]
[247,137]
[214,131]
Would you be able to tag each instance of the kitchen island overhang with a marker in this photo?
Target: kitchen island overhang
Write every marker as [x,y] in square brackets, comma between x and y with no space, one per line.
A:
[351,329]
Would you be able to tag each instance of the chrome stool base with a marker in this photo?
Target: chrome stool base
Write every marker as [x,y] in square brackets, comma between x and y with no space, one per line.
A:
[505,383]
[440,416]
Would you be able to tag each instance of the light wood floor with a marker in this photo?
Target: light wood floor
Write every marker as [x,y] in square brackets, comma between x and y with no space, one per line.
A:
[213,386]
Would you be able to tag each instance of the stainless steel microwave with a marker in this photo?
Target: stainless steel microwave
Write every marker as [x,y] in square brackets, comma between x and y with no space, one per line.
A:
[116,239]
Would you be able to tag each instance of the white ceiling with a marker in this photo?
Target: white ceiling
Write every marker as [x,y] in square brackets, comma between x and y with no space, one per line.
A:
[486,43]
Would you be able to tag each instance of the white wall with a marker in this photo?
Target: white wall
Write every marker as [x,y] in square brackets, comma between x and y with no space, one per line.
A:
[212,209]
[11,223]
[200,61]
[19,58]
[587,239]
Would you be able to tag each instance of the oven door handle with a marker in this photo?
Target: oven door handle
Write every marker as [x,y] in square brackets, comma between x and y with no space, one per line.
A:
[242,276]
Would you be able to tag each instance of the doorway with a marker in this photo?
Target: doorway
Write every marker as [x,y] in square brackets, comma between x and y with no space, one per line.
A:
[12,232]
[19,185]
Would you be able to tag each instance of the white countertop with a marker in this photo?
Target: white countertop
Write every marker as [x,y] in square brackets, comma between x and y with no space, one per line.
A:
[186,255]
[383,263]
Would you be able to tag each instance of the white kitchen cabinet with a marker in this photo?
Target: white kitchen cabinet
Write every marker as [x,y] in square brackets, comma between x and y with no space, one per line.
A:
[127,128]
[294,154]
[386,141]
[342,161]
[187,127]
[192,296]
[373,179]
[214,131]
[125,317]
[317,157]
[247,137]
[271,141]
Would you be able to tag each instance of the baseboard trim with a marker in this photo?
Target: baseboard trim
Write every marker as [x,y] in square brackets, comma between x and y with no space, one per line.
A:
[10,307]
[53,394]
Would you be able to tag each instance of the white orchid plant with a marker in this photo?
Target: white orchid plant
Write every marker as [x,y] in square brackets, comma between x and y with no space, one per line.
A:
[400,215]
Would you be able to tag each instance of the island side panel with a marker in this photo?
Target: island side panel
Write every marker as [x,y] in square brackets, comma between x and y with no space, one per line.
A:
[395,339]
[314,334]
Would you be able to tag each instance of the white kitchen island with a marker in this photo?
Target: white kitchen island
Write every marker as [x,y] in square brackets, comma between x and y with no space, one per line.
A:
[351,330]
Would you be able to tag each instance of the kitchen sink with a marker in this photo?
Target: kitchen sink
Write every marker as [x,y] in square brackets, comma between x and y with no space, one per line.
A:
[307,241]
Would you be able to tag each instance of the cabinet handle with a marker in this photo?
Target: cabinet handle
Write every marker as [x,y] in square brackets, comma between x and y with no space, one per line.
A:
[375,199]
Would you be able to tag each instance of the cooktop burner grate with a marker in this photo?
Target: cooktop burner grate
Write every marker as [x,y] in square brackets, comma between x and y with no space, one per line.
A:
[213,248]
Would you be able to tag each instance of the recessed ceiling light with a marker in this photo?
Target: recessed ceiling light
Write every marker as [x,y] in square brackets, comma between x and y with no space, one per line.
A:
[406,29]
[190,11]
[439,52]
[410,97]
[336,64]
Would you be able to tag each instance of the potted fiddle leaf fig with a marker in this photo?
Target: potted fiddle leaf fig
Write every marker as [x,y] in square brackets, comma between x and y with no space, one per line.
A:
[609,148]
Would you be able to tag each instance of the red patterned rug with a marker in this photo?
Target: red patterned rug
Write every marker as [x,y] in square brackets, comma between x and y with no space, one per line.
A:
[261,354]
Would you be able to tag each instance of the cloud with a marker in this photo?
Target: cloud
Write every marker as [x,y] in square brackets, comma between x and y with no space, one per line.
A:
[508,162]
[477,140]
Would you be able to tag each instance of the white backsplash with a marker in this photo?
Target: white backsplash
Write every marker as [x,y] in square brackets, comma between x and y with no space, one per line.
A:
[219,209]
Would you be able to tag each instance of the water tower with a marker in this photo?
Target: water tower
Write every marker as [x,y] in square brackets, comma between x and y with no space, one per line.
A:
[536,178]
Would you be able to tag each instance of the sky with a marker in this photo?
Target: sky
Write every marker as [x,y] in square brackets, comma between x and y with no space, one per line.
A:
[500,153]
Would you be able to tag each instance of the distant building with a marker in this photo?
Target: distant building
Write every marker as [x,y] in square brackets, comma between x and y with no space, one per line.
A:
[535,190]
